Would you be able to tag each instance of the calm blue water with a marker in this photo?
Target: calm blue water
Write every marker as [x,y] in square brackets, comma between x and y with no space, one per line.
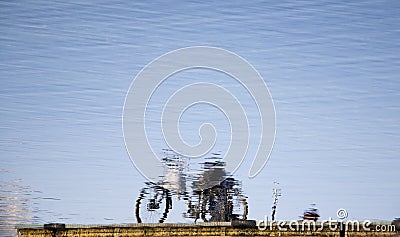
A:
[332,68]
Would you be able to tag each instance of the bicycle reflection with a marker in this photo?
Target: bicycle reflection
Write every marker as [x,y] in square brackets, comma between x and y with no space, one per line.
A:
[218,201]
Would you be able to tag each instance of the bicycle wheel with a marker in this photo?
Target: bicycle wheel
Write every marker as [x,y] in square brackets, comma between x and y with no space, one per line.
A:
[153,204]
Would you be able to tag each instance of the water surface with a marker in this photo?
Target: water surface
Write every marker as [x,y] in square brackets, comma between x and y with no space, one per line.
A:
[332,69]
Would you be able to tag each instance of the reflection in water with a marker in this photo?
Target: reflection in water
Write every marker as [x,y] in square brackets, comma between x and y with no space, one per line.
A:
[153,204]
[19,204]
[206,197]
[14,206]
[311,214]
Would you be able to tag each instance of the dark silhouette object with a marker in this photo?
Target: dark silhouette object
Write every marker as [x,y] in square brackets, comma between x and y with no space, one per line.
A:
[207,197]
[244,223]
[218,203]
[54,227]
[311,214]
[214,204]
[342,231]
[276,192]
[396,223]
[153,204]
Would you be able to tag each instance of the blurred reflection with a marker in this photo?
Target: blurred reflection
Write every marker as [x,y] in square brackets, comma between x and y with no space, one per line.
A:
[311,214]
[14,205]
[224,201]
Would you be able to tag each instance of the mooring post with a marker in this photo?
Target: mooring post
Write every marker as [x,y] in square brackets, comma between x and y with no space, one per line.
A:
[54,227]
[342,229]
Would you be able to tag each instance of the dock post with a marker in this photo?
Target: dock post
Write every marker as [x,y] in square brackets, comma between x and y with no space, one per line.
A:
[342,229]
[54,227]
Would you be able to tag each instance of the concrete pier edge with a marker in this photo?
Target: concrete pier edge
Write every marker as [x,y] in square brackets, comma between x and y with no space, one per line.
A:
[247,228]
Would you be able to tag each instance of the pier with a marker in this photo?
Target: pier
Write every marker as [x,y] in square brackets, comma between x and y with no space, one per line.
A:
[247,228]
